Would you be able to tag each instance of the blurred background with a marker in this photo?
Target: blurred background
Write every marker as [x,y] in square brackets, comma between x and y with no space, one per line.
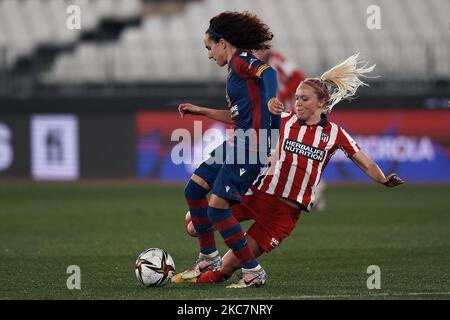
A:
[96,95]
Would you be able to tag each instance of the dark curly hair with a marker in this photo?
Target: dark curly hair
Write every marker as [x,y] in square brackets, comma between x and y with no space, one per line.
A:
[243,30]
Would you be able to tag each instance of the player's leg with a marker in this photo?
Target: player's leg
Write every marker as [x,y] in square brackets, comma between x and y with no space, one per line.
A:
[240,211]
[230,263]
[195,192]
[231,185]
[275,219]
[209,258]
[231,231]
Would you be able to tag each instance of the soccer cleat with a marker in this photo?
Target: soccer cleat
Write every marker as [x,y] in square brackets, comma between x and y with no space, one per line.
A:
[250,279]
[202,265]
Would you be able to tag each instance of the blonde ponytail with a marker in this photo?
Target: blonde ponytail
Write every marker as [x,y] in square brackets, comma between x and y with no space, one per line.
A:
[342,81]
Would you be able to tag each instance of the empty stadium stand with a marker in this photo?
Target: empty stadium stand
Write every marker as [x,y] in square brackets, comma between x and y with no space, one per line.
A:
[412,44]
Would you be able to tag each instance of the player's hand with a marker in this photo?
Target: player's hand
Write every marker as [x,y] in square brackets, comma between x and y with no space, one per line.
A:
[275,106]
[393,180]
[188,108]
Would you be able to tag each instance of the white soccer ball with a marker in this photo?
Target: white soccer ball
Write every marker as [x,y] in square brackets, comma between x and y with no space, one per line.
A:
[154,267]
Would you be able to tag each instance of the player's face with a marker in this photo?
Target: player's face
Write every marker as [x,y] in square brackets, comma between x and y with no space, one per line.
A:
[216,50]
[307,104]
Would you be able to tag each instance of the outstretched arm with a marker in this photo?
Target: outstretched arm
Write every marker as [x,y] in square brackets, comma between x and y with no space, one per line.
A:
[373,171]
[220,115]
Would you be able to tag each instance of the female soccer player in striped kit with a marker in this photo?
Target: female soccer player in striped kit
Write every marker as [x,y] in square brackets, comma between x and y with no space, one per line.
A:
[307,142]
[251,86]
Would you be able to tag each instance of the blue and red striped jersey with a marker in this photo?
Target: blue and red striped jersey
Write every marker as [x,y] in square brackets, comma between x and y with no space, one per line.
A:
[246,92]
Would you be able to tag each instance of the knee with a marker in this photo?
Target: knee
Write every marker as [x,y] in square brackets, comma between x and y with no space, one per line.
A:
[192,190]
[218,214]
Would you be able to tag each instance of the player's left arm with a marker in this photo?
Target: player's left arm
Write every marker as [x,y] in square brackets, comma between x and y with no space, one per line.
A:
[373,171]
[249,67]
[270,81]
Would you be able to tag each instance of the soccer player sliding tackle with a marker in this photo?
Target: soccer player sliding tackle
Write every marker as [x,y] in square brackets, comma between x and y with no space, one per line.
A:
[307,141]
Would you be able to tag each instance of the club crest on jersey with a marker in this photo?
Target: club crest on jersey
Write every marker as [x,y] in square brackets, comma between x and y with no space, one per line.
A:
[325,137]
[304,150]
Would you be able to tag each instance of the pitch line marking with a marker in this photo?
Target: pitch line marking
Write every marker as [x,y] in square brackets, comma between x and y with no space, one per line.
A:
[385,294]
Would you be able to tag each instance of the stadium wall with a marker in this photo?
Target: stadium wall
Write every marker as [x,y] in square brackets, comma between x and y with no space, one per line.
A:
[67,146]
[141,144]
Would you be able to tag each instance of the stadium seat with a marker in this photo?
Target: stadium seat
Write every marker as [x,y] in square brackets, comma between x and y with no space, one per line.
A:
[315,34]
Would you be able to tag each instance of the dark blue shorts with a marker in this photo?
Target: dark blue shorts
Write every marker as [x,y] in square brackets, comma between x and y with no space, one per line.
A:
[230,172]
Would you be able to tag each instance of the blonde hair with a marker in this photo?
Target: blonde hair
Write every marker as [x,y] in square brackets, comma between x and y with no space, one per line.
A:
[341,82]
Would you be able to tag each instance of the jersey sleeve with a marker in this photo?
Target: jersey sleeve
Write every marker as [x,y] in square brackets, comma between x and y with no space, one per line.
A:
[275,121]
[346,143]
[270,81]
[248,66]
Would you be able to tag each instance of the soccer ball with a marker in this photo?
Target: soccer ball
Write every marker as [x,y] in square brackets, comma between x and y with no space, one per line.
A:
[154,267]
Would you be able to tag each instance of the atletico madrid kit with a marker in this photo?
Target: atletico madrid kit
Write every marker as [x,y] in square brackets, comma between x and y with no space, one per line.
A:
[303,152]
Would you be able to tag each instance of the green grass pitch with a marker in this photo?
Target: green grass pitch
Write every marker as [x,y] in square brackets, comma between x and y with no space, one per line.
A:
[102,227]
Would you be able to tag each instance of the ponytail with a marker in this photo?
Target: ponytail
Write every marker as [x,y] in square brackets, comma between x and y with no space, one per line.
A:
[341,82]
[344,80]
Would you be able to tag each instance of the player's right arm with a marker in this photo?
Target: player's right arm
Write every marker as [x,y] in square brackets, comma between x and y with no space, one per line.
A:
[370,168]
[219,115]
[373,171]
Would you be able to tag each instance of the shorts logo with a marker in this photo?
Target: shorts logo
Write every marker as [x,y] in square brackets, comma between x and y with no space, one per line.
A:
[304,150]
[274,242]
[241,171]
[227,188]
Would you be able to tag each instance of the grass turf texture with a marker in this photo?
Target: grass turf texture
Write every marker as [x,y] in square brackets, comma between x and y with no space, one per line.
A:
[102,228]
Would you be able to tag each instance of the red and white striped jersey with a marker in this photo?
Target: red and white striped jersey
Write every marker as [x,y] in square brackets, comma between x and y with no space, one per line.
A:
[303,152]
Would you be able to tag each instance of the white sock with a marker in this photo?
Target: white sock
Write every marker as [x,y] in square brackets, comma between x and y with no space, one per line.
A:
[208,256]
